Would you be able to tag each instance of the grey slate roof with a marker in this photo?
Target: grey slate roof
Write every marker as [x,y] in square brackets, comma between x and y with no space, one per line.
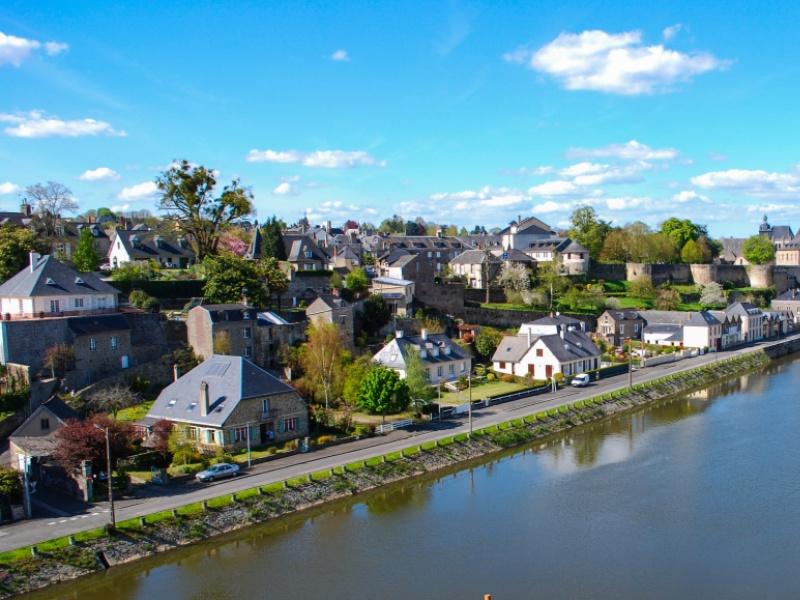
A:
[413,343]
[792,295]
[743,309]
[144,245]
[230,380]
[255,249]
[512,348]
[229,312]
[530,225]
[325,303]
[624,315]
[575,345]
[97,324]
[475,257]
[513,255]
[675,331]
[296,245]
[702,318]
[53,278]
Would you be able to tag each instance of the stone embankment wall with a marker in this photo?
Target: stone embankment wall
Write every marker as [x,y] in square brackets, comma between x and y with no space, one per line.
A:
[511,319]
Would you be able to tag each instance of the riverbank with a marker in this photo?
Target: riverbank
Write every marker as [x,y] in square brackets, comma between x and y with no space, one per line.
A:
[26,569]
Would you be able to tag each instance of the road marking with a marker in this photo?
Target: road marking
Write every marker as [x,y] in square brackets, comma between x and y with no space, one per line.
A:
[52,523]
[94,514]
[63,521]
[84,516]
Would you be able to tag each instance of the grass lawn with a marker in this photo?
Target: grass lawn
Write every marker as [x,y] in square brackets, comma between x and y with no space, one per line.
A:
[134,413]
[634,302]
[480,392]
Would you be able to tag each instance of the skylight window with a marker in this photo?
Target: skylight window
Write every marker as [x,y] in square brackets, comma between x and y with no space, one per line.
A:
[79,281]
[171,403]
[192,406]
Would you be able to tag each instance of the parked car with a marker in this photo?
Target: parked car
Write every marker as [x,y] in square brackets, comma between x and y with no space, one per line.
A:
[218,471]
[581,380]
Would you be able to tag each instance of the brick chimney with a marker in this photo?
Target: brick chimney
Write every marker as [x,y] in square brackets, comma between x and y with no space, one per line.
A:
[175,372]
[33,259]
[205,401]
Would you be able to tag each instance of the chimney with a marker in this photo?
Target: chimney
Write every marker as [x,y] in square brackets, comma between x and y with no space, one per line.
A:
[33,258]
[175,372]
[529,338]
[561,332]
[25,209]
[398,334]
[424,334]
[245,299]
[205,402]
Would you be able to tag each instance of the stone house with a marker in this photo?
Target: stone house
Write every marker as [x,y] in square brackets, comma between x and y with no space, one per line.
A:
[752,320]
[789,303]
[330,309]
[239,330]
[475,265]
[443,359]
[539,241]
[35,438]
[303,254]
[545,347]
[68,234]
[229,402]
[616,326]
[397,293]
[132,245]
[47,287]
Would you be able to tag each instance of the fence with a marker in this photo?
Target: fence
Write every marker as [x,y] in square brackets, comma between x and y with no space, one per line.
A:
[387,427]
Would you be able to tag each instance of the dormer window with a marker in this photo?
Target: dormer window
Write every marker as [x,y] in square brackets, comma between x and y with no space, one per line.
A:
[79,281]
[50,281]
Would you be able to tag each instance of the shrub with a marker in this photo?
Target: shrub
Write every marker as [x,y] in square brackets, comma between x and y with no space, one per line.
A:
[507,378]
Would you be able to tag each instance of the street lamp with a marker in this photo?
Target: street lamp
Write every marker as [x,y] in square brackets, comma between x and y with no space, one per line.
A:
[108,477]
[469,381]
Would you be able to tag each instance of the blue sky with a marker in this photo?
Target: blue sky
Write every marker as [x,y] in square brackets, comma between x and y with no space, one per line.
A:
[470,113]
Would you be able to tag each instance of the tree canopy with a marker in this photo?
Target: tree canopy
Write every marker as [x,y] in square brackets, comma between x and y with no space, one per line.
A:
[487,340]
[357,281]
[188,197]
[230,277]
[272,238]
[51,200]
[383,392]
[85,258]
[322,359]
[15,245]
[77,441]
[680,231]
[758,249]
[417,377]
[589,230]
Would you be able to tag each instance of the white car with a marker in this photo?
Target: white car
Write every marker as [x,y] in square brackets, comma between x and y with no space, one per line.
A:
[218,471]
[581,380]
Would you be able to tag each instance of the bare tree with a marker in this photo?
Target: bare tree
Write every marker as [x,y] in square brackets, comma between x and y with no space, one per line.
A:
[59,359]
[51,200]
[112,399]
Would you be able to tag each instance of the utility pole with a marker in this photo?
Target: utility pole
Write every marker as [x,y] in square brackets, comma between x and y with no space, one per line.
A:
[630,362]
[469,382]
[108,476]
[249,455]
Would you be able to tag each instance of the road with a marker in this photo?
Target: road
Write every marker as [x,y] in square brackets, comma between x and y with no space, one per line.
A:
[35,530]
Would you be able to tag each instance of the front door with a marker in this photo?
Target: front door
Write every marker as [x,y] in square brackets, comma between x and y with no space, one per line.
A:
[548,371]
[266,432]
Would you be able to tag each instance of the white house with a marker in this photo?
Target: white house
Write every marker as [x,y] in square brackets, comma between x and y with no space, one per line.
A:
[47,287]
[443,359]
[545,347]
[752,319]
[539,241]
[712,330]
[131,245]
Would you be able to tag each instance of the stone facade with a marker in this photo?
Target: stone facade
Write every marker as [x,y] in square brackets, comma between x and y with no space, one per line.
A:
[273,426]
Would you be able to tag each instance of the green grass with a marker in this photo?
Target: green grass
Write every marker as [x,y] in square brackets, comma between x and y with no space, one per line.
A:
[482,391]
[136,412]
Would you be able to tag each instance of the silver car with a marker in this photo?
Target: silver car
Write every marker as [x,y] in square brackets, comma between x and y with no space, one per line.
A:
[218,471]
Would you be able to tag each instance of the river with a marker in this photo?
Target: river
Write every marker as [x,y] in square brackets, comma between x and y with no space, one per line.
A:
[695,498]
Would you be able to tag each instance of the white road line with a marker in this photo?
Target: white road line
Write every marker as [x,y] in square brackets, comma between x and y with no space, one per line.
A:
[52,523]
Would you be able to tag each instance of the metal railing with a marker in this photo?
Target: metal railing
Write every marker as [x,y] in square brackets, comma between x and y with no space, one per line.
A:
[387,427]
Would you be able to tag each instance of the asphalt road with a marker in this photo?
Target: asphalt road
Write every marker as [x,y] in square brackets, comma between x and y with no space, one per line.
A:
[36,530]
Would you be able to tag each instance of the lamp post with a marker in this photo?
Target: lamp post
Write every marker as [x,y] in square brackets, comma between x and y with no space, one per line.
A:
[469,382]
[108,477]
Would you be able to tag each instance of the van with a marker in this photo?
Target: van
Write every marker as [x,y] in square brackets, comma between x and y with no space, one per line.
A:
[581,380]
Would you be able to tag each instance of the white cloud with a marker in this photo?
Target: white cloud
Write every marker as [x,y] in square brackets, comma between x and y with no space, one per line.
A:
[327,159]
[16,50]
[554,188]
[284,188]
[752,182]
[340,55]
[139,191]
[670,32]
[631,150]
[550,207]
[486,196]
[8,188]
[35,124]
[99,174]
[690,195]
[543,170]
[616,63]
[627,202]
[120,208]
[54,48]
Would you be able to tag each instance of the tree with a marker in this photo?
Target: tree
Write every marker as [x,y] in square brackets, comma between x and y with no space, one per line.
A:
[641,287]
[357,281]
[51,201]
[514,277]
[414,228]
[588,230]
[230,277]
[394,225]
[355,372]
[85,258]
[322,361]
[181,447]
[487,340]
[78,441]
[667,299]
[758,250]
[272,236]
[159,437]
[375,315]
[552,282]
[417,376]
[104,212]
[680,231]
[383,392]
[350,224]
[187,194]
[10,486]
[615,247]
[59,358]
[692,253]
[272,277]
[712,294]
[15,245]
[112,399]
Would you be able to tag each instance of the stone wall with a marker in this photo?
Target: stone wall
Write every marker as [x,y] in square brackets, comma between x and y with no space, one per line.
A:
[306,288]
[511,319]
[447,298]
[496,294]
[658,273]
[608,271]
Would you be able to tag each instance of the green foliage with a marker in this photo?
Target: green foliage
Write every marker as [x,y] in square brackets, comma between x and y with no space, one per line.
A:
[588,230]
[642,288]
[137,271]
[383,392]
[487,340]
[636,242]
[695,252]
[188,196]
[230,277]
[758,249]
[85,258]
[15,245]
[10,486]
[272,234]
[141,299]
[272,276]
[417,378]
[375,315]
[322,359]
[355,372]
[712,294]
[357,281]
[667,299]
[681,231]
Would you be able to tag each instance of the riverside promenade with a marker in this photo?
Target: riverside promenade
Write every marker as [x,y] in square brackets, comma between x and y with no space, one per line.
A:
[36,530]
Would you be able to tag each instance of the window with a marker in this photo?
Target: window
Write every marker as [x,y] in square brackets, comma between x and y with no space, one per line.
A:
[240,434]
[265,406]
[463,367]
[451,369]
[290,424]
[92,344]
[44,424]
[502,365]
[307,254]
[55,306]
[78,302]
[248,351]
[531,369]
[246,333]
[114,342]
[439,371]
[539,352]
